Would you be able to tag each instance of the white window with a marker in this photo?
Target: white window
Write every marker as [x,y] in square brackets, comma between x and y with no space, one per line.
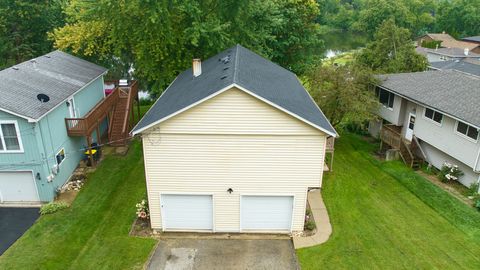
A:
[60,156]
[433,115]
[467,130]
[10,141]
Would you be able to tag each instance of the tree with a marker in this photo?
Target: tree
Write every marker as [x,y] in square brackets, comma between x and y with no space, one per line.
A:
[23,28]
[391,51]
[160,38]
[343,93]
[459,17]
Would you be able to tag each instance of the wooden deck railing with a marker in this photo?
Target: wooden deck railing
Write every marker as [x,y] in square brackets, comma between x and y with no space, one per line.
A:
[85,125]
[133,92]
[390,136]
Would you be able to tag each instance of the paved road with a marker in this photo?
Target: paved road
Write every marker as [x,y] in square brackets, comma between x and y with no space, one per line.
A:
[199,254]
[13,223]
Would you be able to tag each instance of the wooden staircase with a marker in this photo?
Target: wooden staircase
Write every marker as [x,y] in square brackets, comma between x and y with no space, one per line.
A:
[408,150]
[120,121]
[408,156]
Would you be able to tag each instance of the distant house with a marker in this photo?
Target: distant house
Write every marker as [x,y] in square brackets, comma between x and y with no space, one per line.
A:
[469,65]
[446,54]
[52,108]
[432,115]
[474,39]
[233,145]
[448,41]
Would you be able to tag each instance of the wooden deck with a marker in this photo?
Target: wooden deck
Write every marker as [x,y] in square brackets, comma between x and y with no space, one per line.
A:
[117,107]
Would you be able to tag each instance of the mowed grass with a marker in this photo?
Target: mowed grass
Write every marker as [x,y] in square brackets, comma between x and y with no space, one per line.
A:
[93,232]
[385,216]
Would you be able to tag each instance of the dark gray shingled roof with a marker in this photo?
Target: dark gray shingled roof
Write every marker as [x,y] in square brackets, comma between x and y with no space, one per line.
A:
[470,66]
[474,38]
[247,70]
[56,74]
[448,91]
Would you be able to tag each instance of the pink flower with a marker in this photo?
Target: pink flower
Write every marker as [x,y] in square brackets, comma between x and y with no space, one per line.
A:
[142,215]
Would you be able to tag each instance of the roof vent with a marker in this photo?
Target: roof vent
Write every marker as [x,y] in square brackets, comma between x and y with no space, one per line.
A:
[15,68]
[197,67]
[225,59]
[43,98]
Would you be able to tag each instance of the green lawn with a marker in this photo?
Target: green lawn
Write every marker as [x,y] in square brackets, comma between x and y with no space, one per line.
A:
[93,232]
[385,216]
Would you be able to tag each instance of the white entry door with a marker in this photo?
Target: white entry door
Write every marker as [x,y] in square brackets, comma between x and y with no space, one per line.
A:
[186,212]
[17,187]
[410,126]
[266,213]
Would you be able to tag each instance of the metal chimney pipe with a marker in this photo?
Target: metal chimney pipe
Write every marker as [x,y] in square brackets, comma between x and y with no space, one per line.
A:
[197,67]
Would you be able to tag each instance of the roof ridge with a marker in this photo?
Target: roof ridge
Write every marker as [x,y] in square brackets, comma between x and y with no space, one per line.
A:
[235,65]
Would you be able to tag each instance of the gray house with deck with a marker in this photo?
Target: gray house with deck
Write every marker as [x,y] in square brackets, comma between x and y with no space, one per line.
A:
[434,116]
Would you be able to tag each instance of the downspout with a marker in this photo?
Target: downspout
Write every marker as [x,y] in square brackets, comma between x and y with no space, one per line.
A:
[44,148]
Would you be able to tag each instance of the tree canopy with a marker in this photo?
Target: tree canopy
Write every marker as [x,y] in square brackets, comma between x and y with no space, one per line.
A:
[24,26]
[160,38]
[391,51]
[343,93]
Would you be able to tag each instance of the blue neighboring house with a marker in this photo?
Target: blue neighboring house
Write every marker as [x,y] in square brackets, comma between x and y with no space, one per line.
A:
[51,108]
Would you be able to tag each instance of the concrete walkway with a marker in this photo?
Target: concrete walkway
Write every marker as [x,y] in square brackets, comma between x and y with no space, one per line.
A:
[320,215]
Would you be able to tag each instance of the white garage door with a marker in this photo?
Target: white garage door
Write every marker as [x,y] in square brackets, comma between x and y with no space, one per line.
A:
[17,187]
[266,213]
[187,212]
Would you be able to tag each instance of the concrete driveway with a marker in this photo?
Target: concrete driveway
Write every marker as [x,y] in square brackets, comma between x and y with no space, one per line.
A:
[199,254]
[13,223]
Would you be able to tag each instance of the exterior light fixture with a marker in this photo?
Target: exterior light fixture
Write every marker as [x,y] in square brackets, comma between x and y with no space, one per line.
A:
[230,190]
[38,176]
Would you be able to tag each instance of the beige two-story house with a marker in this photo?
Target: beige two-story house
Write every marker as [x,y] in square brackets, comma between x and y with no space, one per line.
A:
[434,115]
[233,145]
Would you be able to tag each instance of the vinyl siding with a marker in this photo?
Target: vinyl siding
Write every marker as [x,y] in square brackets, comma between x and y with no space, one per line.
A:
[43,140]
[233,141]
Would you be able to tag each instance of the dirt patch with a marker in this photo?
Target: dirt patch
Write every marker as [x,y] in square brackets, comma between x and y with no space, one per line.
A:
[452,187]
[141,228]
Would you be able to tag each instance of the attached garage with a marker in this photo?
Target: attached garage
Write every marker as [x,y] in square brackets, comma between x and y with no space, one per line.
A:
[17,187]
[266,213]
[187,212]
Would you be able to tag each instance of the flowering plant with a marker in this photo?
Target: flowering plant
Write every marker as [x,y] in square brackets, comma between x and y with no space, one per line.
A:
[449,172]
[142,210]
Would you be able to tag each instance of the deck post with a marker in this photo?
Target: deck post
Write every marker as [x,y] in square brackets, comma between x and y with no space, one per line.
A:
[331,162]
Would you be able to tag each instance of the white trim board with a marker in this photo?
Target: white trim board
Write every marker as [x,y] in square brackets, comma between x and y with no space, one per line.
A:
[233,85]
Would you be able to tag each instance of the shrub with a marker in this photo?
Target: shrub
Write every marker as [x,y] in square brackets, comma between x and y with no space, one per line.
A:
[473,189]
[52,207]
[310,225]
[449,172]
[142,210]
[477,204]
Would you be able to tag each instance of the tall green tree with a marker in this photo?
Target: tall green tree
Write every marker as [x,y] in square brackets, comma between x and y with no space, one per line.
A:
[24,25]
[159,38]
[343,93]
[391,51]
[459,17]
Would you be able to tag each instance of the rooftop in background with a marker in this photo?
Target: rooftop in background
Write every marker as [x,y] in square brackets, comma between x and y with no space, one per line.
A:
[448,91]
[470,66]
[475,39]
[57,75]
[451,52]
[237,67]
[450,42]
